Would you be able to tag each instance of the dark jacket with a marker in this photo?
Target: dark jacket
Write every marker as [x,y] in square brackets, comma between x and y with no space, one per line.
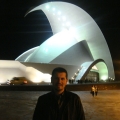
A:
[47,107]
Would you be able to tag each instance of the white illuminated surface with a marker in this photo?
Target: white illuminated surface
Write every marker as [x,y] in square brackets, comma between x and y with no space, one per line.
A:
[52,47]
[24,55]
[104,78]
[80,25]
[10,69]
[70,26]
[94,67]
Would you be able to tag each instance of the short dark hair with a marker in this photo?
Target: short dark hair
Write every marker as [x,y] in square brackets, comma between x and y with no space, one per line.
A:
[59,69]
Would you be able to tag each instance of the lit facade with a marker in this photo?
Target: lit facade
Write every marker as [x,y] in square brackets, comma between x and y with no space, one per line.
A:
[77,43]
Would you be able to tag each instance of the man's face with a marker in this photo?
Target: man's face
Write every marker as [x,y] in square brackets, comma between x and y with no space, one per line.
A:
[59,81]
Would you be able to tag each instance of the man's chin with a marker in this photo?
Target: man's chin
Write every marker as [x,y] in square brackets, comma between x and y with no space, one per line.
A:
[59,88]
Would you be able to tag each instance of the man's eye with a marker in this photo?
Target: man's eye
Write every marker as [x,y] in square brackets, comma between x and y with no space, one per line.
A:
[56,78]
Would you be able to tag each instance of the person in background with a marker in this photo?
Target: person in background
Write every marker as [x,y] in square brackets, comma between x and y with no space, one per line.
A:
[93,90]
[59,104]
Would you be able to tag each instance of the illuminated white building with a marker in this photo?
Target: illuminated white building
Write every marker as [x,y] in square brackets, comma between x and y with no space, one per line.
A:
[77,43]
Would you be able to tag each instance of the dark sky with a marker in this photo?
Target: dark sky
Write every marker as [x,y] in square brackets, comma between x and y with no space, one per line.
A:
[19,33]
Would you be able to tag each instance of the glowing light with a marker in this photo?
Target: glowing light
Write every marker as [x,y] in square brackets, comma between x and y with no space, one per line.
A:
[46,77]
[94,67]
[2,79]
[47,6]
[104,77]
[72,31]
[59,13]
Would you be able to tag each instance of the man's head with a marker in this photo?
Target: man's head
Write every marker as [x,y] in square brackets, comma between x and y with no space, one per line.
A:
[59,79]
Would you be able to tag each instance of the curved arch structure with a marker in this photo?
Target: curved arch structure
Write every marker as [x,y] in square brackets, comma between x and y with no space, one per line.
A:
[76,37]
[87,66]
[24,56]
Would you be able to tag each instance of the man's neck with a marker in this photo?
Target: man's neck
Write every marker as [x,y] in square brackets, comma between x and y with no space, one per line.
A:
[58,92]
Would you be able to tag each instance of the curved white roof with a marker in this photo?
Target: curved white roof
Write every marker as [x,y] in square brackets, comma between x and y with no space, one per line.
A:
[72,24]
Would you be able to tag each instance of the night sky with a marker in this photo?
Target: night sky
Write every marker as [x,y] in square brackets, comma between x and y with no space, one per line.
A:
[19,33]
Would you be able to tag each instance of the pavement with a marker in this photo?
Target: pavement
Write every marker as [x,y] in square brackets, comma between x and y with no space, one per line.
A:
[19,105]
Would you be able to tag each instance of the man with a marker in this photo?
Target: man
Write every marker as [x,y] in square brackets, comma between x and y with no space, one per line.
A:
[59,104]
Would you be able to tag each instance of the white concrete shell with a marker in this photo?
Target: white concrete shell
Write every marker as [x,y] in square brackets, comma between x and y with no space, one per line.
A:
[10,69]
[72,29]
[24,56]
[34,72]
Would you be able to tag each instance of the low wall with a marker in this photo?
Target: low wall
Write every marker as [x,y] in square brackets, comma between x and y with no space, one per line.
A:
[70,87]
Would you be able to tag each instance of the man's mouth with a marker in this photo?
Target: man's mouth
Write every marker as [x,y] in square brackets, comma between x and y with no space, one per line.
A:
[59,85]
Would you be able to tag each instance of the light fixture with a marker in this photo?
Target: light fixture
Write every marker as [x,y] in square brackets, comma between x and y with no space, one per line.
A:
[47,6]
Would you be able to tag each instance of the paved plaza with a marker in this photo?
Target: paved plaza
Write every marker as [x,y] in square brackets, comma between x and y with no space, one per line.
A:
[19,105]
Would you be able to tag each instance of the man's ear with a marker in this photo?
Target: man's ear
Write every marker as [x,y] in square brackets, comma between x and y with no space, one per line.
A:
[67,80]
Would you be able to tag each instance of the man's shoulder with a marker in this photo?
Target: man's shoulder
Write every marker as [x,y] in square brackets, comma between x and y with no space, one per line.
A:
[45,96]
[71,94]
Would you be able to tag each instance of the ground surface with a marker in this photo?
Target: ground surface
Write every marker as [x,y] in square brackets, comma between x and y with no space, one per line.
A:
[19,105]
